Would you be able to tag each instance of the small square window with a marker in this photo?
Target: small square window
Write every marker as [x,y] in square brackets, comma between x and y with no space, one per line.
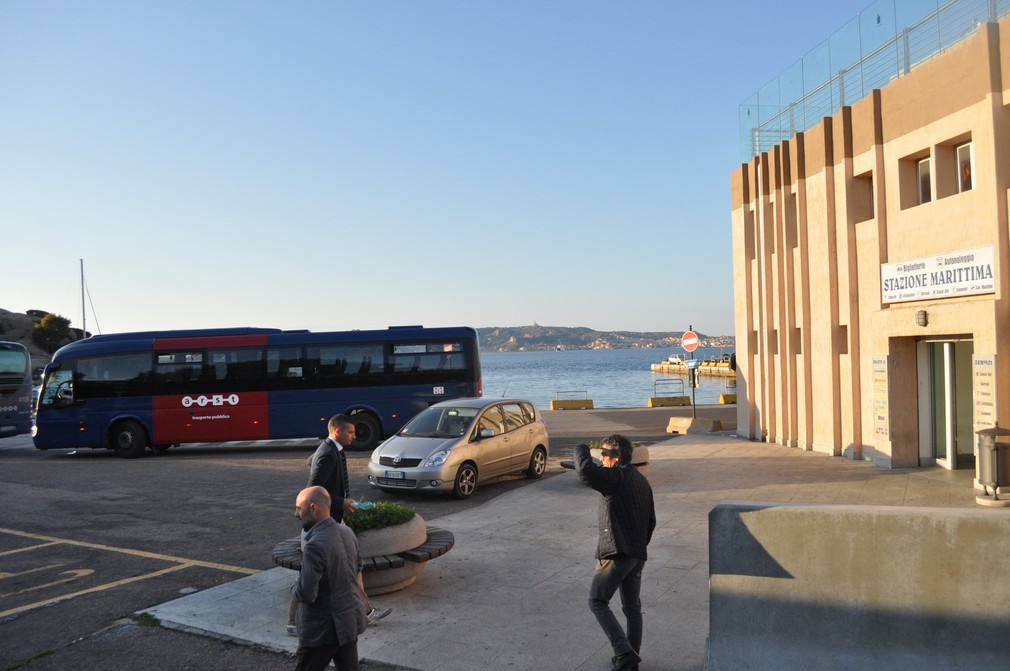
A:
[923,175]
[965,167]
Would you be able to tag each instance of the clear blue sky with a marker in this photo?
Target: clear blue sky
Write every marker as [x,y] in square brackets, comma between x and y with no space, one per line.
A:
[339,165]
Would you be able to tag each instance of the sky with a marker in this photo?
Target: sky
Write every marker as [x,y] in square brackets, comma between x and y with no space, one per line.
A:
[333,165]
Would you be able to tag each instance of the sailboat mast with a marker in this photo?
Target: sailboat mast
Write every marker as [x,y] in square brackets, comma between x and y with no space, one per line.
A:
[84,314]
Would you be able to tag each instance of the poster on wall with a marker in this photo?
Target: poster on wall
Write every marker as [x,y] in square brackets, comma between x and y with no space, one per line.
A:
[984,390]
[881,413]
[966,272]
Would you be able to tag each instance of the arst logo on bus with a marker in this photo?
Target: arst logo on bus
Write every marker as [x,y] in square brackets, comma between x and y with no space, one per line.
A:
[204,401]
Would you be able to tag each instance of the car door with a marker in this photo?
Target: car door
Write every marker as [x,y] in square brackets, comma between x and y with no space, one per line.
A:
[520,435]
[493,453]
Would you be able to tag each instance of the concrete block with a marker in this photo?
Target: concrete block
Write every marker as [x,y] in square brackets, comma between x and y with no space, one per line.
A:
[668,401]
[857,587]
[693,425]
[727,398]
[569,404]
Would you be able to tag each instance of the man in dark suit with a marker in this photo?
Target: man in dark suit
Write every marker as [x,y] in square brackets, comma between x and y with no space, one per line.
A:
[328,465]
[328,469]
[627,517]
[332,615]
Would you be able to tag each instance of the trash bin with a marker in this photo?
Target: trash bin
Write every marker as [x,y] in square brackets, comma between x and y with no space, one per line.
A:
[988,471]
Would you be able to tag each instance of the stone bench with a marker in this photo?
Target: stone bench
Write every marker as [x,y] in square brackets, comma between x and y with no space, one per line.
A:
[288,553]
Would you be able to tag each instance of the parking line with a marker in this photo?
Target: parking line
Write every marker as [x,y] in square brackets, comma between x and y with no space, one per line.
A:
[90,590]
[52,540]
[180,563]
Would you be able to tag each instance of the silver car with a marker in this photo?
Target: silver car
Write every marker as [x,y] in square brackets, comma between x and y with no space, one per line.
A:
[454,445]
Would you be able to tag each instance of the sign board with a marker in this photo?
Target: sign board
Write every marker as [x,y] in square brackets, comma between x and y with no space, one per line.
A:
[947,275]
[693,363]
[984,390]
[881,410]
[689,341]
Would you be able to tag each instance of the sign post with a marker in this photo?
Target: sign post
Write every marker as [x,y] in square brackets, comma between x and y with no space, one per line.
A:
[689,341]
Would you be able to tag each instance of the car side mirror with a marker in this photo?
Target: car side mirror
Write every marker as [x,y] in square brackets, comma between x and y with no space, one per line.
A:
[485,433]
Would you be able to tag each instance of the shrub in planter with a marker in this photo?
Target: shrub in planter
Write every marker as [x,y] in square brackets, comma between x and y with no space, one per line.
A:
[387,529]
[378,516]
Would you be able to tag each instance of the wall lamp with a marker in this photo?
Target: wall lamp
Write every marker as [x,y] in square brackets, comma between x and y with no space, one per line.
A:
[921,318]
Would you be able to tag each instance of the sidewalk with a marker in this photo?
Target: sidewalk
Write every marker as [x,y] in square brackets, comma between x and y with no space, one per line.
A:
[512,594]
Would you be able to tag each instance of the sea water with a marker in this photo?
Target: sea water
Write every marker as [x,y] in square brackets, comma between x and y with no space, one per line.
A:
[612,378]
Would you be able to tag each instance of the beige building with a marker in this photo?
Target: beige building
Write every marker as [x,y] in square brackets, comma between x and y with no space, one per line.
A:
[872,269]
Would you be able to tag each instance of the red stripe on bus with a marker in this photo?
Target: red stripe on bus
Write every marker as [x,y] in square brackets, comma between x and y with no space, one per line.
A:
[210,341]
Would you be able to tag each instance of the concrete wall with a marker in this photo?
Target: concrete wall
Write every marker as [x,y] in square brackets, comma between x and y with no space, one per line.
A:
[857,587]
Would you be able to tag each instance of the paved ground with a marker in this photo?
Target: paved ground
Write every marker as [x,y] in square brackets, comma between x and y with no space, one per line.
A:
[512,593]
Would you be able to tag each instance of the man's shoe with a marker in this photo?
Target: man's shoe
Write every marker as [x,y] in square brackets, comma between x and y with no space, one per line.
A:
[376,614]
[627,662]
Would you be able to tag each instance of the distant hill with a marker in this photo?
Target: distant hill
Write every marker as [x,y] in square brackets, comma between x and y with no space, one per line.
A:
[536,337]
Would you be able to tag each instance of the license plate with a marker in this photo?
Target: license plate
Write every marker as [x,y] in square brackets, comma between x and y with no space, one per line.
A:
[394,475]
[6,428]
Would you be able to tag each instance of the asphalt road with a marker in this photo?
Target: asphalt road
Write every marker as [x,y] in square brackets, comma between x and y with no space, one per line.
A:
[87,539]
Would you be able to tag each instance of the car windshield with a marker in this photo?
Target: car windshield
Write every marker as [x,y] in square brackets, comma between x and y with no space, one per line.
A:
[446,422]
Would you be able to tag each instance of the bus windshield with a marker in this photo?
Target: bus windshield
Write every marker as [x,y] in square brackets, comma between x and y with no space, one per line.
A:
[15,389]
[128,392]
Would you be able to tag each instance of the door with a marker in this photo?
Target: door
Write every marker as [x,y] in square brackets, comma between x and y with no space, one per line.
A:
[946,431]
[493,452]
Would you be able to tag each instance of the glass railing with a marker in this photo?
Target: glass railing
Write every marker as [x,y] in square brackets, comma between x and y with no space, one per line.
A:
[885,41]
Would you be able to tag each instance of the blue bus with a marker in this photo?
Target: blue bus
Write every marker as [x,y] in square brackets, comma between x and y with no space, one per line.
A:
[130,391]
[15,389]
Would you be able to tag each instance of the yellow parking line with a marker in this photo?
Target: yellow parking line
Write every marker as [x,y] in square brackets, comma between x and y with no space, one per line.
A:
[136,553]
[30,547]
[98,588]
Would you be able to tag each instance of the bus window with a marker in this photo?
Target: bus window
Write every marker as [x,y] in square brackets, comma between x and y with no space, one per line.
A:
[179,366]
[236,364]
[285,362]
[338,361]
[113,375]
[58,390]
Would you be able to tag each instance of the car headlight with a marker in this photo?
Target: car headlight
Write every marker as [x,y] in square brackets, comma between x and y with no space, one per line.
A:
[437,459]
[375,456]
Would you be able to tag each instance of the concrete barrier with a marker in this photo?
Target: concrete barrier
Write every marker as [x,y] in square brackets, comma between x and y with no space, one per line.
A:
[727,398]
[692,425]
[572,404]
[857,587]
[668,401]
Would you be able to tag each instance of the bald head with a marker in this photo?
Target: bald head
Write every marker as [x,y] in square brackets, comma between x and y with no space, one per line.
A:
[312,506]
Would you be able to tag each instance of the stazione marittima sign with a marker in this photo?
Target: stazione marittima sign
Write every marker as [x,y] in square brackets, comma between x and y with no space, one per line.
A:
[965,272]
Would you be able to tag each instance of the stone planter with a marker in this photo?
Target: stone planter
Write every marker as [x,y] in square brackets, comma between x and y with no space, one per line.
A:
[390,541]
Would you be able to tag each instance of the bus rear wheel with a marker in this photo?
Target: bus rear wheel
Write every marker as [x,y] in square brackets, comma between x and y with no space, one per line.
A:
[366,432]
[129,440]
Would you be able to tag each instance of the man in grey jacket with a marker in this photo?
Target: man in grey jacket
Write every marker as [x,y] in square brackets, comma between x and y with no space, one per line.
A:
[627,517]
[332,615]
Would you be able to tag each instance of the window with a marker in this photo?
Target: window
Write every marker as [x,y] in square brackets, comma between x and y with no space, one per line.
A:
[113,375]
[965,169]
[515,418]
[428,357]
[923,175]
[492,419]
[179,366]
[338,361]
[236,364]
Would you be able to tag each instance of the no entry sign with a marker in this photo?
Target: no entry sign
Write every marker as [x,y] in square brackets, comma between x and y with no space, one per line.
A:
[689,341]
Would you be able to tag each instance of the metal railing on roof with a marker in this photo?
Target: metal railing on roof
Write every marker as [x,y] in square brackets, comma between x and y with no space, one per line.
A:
[885,41]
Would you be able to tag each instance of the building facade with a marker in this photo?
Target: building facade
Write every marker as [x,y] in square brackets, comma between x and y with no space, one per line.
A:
[871,268]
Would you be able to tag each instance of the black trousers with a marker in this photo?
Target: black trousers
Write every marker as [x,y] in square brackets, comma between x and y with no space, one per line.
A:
[345,657]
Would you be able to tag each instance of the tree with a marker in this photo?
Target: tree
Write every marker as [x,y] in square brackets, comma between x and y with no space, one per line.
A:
[52,332]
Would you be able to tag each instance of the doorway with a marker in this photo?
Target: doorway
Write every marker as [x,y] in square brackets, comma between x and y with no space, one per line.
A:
[946,429]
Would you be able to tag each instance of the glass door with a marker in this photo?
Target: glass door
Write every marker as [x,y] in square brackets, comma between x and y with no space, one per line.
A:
[945,404]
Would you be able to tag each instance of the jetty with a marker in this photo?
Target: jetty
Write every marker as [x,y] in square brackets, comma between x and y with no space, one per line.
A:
[676,365]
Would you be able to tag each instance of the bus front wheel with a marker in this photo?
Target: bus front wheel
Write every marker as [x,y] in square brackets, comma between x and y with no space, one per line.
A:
[366,432]
[129,440]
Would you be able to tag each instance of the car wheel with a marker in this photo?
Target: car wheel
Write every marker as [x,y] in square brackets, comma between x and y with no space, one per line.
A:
[366,432]
[466,482]
[538,463]
[129,440]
